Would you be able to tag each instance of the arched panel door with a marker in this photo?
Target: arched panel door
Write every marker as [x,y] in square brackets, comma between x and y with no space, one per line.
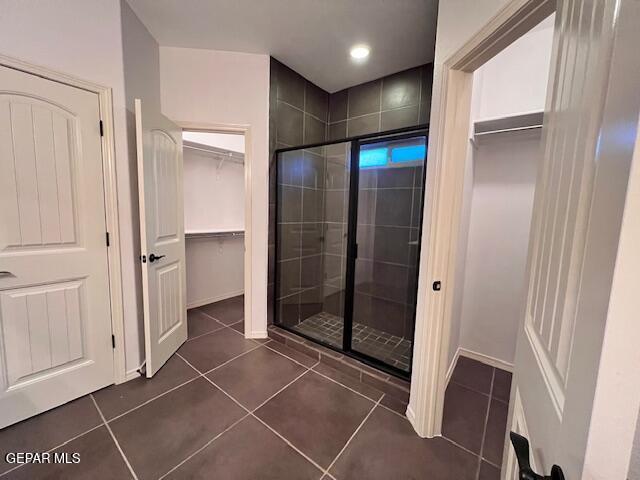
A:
[160,190]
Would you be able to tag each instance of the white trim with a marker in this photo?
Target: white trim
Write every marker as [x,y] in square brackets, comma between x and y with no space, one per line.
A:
[480,357]
[486,359]
[110,197]
[452,366]
[245,130]
[552,380]
[218,298]
[518,425]
[448,146]
[259,334]
[133,373]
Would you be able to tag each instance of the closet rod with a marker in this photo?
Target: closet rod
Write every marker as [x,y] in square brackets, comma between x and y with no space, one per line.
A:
[220,156]
[505,130]
[236,233]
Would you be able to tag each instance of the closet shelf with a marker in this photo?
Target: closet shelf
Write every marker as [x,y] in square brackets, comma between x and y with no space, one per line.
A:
[217,153]
[512,123]
[213,233]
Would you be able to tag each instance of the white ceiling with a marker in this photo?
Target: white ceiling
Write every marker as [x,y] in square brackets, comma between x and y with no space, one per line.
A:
[311,36]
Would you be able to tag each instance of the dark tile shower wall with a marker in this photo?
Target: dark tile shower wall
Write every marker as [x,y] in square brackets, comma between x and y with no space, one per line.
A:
[298,114]
[302,113]
[395,101]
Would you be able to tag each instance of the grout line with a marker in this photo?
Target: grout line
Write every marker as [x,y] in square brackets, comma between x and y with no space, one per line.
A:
[452,442]
[354,434]
[204,446]
[390,409]
[206,333]
[115,440]
[486,422]
[251,413]
[287,385]
[349,388]
[288,357]
[153,398]
[309,459]
[56,447]
[225,363]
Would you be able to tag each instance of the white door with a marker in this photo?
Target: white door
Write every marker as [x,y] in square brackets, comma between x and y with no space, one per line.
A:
[55,319]
[588,136]
[162,235]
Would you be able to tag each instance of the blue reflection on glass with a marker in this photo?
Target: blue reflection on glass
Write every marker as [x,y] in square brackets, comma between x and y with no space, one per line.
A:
[411,153]
[373,157]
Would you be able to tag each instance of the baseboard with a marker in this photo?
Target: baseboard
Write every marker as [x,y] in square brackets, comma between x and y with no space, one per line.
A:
[480,357]
[134,373]
[207,301]
[452,366]
[258,335]
[411,416]
[486,359]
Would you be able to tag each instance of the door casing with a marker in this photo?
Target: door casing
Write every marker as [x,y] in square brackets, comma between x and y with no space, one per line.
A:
[449,133]
[105,101]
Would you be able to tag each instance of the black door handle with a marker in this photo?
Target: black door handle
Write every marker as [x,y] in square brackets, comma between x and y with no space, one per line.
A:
[521,447]
[153,257]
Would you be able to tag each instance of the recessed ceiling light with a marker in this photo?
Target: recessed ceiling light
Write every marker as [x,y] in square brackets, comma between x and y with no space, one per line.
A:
[360,52]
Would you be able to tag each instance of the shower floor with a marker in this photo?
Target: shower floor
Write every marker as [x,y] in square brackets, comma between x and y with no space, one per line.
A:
[328,328]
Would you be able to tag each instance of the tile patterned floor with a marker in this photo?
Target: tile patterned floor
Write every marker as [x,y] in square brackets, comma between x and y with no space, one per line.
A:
[389,348]
[258,410]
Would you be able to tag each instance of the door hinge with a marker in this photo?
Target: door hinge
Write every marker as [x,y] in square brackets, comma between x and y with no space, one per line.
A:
[113,341]
[101,129]
[143,258]
[108,239]
[437,286]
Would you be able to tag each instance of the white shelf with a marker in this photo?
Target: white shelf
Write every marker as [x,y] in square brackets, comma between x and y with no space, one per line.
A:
[214,233]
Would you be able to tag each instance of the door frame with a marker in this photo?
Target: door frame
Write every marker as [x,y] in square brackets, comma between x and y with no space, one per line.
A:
[112,224]
[444,187]
[238,129]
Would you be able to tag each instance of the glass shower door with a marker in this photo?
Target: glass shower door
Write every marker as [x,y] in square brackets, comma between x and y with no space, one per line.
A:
[311,230]
[386,248]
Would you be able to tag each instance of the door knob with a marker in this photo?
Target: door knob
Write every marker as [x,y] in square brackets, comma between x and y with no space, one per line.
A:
[521,447]
[153,257]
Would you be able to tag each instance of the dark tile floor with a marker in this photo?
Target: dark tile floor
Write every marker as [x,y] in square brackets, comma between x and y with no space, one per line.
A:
[259,410]
[328,328]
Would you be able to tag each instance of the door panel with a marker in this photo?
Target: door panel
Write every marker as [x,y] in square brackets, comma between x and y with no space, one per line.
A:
[576,220]
[388,219]
[162,235]
[55,315]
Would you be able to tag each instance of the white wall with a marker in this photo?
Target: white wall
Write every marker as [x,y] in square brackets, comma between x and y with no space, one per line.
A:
[83,38]
[215,269]
[213,200]
[498,236]
[515,81]
[228,88]
[497,203]
[213,195]
[235,143]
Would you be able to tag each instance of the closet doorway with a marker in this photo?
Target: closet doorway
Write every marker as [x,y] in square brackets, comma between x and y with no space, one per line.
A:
[348,223]
[214,217]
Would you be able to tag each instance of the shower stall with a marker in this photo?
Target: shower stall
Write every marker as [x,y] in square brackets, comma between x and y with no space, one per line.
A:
[348,225]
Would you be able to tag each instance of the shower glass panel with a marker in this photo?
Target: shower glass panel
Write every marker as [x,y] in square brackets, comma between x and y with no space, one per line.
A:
[389,209]
[311,229]
[348,222]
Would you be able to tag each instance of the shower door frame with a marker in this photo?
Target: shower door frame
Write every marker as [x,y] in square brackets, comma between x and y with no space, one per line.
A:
[352,217]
